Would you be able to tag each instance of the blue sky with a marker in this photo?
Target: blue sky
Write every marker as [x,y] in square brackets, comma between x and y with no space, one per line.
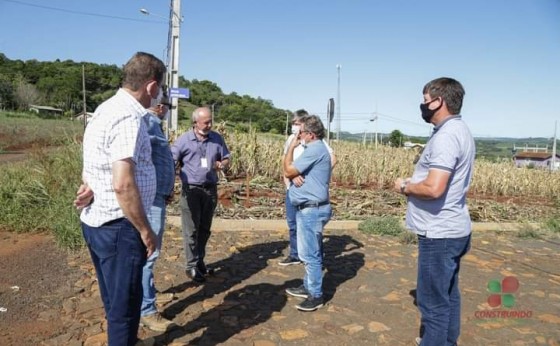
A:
[506,53]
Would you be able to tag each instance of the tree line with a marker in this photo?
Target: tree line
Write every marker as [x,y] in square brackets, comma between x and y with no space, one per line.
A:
[59,84]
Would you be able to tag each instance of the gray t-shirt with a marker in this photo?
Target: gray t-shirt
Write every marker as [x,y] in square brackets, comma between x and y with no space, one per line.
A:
[450,148]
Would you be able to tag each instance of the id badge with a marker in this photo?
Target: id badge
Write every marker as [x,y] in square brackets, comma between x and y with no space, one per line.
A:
[203,162]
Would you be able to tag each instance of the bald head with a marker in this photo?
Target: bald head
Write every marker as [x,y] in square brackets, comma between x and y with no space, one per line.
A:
[202,120]
[201,112]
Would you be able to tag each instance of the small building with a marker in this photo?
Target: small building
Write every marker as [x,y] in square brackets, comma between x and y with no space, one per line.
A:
[80,116]
[46,110]
[410,145]
[535,160]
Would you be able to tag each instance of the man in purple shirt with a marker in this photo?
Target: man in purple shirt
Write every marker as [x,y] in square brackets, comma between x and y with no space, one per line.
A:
[201,153]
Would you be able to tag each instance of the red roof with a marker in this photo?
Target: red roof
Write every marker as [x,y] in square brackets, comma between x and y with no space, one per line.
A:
[533,155]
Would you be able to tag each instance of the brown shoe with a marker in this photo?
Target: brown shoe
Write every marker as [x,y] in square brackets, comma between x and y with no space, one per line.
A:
[146,342]
[157,322]
[163,298]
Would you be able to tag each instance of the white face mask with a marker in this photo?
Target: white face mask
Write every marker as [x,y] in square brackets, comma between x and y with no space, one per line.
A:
[203,133]
[156,101]
[166,116]
[295,129]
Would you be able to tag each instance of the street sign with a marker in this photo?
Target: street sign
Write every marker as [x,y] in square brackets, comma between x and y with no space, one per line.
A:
[330,110]
[181,93]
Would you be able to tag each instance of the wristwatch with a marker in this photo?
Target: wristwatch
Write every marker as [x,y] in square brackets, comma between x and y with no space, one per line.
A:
[403,186]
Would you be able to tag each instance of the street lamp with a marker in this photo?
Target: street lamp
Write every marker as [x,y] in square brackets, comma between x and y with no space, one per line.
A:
[148,13]
[172,58]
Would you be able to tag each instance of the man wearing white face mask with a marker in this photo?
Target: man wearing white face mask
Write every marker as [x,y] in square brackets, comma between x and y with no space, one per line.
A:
[165,177]
[201,153]
[293,257]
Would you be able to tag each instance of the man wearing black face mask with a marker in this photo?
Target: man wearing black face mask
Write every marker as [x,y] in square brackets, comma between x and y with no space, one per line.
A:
[437,211]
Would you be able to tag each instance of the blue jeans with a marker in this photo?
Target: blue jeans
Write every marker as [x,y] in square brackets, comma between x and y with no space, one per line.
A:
[156,216]
[292,226]
[310,224]
[118,255]
[437,291]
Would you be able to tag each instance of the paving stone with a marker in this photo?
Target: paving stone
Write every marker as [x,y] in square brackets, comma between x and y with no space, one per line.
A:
[368,282]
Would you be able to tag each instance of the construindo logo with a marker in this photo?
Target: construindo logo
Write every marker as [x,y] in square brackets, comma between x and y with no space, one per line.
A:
[502,300]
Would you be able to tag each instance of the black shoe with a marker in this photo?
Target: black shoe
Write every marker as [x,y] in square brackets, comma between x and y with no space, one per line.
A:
[299,292]
[310,304]
[195,275]
[204,270]
[288,261]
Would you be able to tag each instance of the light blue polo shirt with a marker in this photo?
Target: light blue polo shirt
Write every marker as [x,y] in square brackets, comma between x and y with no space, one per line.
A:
[314,164]
[450,148]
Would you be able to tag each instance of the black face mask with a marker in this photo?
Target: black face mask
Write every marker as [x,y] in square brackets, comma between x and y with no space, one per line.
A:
[427,113]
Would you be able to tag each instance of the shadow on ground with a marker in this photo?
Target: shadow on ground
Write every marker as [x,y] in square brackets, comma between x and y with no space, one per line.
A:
[253,304]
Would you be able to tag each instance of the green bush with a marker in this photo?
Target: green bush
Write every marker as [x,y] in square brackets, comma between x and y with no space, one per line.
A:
[553,224]
[390,226]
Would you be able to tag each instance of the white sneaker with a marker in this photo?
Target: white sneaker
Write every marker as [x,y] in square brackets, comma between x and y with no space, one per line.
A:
[418,340]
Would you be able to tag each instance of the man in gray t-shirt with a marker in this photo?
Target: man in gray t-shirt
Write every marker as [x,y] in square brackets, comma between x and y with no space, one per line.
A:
[437,211]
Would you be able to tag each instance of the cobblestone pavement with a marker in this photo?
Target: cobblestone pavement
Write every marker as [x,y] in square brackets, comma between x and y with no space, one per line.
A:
[369,284]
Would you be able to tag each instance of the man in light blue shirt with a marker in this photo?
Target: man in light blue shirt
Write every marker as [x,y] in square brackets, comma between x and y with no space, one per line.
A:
[165,178]
[437,211]
[313,207]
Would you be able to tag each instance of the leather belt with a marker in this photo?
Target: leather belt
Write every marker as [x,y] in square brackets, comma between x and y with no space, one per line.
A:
[311,205]
[201,186]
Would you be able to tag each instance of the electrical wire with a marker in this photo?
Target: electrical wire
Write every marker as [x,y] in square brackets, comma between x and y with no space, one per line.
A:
[84,13]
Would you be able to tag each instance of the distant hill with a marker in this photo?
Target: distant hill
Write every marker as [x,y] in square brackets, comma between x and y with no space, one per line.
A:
[489,148]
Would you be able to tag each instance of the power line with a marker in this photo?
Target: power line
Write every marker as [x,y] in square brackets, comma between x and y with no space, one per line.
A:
[345,117]
[83,13]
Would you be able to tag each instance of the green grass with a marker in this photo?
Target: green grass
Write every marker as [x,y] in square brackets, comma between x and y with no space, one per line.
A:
[37,194]
[24,130]
[529,233]
[388,226]
[553,224]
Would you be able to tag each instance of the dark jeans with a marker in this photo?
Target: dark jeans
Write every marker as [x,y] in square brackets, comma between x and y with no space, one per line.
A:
[197,209]
[118,256]
[437,291]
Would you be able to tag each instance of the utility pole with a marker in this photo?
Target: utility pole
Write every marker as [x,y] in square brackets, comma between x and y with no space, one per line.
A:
[173,63]
[287,123]
[84,95]
[373,119]
[553,160]
[213,104]
[338,103]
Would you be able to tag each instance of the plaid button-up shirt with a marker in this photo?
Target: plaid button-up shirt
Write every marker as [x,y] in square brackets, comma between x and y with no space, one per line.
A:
[116,132]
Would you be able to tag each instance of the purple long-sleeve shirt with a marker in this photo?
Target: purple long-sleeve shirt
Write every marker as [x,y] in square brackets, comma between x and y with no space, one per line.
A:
[189,151]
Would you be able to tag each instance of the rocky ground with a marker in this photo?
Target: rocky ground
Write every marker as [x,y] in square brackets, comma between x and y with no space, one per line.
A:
[51,297]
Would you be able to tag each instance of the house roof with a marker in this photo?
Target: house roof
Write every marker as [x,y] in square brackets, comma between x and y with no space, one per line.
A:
[533,155]
[45,108]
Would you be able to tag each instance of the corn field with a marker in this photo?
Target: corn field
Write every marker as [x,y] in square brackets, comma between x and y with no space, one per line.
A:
[258,155]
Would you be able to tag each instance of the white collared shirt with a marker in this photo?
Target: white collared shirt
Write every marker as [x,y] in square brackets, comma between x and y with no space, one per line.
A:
[116,132]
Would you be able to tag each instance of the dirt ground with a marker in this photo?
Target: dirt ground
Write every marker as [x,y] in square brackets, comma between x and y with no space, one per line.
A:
[369,284]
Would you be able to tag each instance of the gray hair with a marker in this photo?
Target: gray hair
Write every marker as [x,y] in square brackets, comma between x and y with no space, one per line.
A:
[200,111]
[314,125]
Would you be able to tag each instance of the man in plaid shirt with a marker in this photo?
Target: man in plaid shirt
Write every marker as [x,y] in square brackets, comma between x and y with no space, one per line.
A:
[118,169]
